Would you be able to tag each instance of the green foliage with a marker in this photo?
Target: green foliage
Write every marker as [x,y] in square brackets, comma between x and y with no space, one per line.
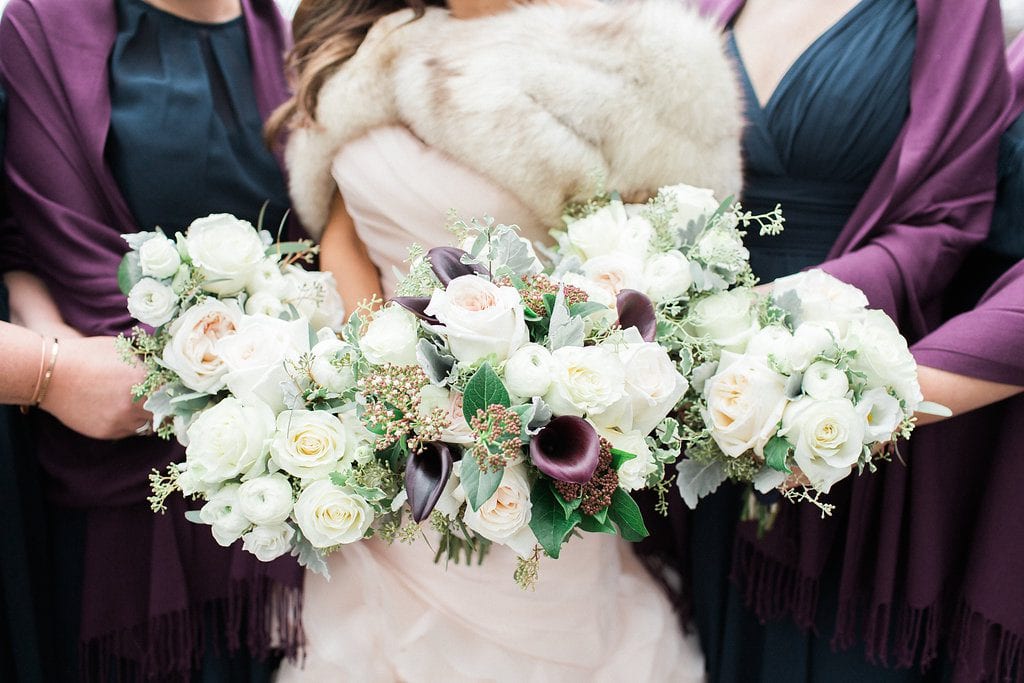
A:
[776,452]
[548,521]
[483,389]
[621,457]
[626,515]
[129,272]
[478,485]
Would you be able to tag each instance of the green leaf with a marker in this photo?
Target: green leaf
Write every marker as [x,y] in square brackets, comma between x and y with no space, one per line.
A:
[776,451]
[547,520]
[529,315]
[483,389]
[620,457]
[582,310]
[549,303]
[395,455]
[626,515]
[601,515]
[594,525]
[568,507]
[289,248]
[478,485]
[129,272]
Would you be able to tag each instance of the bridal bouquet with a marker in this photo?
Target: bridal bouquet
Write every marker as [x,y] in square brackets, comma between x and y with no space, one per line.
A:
[808,384]
[518,408]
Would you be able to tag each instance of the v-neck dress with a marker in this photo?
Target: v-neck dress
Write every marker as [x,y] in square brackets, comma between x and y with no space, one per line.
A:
[813,147]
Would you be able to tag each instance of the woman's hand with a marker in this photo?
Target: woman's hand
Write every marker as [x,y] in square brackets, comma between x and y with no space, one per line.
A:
[90,390]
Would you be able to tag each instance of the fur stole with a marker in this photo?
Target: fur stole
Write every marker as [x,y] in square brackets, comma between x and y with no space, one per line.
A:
[548,101]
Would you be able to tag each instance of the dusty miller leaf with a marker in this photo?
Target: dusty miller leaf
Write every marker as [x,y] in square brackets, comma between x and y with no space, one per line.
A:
[698,479]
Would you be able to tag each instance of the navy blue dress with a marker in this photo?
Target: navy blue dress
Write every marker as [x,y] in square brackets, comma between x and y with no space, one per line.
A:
[814,147]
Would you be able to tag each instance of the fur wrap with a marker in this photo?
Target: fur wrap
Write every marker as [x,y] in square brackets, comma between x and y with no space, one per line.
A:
[547,101]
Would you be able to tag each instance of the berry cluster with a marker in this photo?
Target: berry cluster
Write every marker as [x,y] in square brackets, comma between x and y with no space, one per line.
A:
[498,430]
[596,493]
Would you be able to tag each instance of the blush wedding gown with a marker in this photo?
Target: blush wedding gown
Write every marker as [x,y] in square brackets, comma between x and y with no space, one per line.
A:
[389,613]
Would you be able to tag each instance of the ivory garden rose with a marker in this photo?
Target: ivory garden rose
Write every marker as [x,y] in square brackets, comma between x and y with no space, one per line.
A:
[745,401]
[585,380]
[827,438]
[191,351]
[728,318]
[226,250]
[823,298]
[228,440]
[391,337]
[257,358]
[505,517]
[310,444]
[480,319]
[690,203]
[329,515]
[652,386]
[610,231]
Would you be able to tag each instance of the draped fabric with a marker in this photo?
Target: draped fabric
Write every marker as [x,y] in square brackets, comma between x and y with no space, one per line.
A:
[927,205]
[153,586]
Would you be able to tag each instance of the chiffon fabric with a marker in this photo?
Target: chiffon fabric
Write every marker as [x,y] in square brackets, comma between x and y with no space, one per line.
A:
[391,613]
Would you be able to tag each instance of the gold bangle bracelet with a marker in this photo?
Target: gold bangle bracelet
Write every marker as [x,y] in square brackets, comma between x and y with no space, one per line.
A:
[39,379]
[54,350]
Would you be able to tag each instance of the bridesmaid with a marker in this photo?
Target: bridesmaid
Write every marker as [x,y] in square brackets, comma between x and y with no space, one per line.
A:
[126,115]
[876,128]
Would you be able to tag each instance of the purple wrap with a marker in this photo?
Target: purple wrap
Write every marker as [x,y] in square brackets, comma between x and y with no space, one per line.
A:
[147,578]
[928,205]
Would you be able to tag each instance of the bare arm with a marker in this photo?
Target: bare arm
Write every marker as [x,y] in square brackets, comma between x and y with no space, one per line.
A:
[33,307]
[960,393]
[21,355]
[344,254]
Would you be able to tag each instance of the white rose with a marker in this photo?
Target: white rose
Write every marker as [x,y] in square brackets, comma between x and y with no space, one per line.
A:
[480,319]
[221,512]
[226,250]
[584,380]
[264,303]
[159,257]
[329,515]
[266,499]
[772,342]
[616,272]
[883,356]
[268,542]
[257,357]
[745,401]
[882,415]
[310,444]
[434,398]
[823,298]
[824,381]
[728,319]
[331,367]
[668,276]
[152,303]
[610,230]
[505,517]
[653,387]
[690,202]
[595,291]
[827,436]
[391,337]
[315,296]
[810,340]
[191,351]
[528,371]
[634,472]
[228,440]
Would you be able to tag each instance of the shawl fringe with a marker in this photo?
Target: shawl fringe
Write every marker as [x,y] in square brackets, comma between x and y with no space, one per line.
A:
[773,589]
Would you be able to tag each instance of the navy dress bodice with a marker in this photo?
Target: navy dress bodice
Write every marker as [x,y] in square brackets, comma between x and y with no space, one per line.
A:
[814,147]
[817,143]
[186,137]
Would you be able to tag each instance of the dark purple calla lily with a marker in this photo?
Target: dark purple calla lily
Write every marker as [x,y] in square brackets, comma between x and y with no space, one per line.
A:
[567,449]
[426,473]
[446,262]
[636,310]
[417,306]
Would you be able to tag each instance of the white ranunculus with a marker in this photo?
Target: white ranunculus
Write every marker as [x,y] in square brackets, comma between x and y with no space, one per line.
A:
[827,436]
[152,303]
[229,440]
[258,358]
[433,398]
[479,319]
[668,276]
[634,472]
[264,303]
[267,278]
[528,371]
[825,381]
[505,517]
[690,202]
[331,367]
[729,319]
[722,249]
[222,513]
[310,444]
[883,356]
[882,415]
[159,257]
[610,231]
[616,272]
[772,342]
[810,340]
[653,386]
[329,515]
[268,541]
[266,499]
[745,401]
[391,337]
[226,250]
[191,352]
[315,296]
[823,298]
[585,380]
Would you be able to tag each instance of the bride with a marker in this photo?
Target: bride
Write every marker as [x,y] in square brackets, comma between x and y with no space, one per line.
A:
[404,112]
